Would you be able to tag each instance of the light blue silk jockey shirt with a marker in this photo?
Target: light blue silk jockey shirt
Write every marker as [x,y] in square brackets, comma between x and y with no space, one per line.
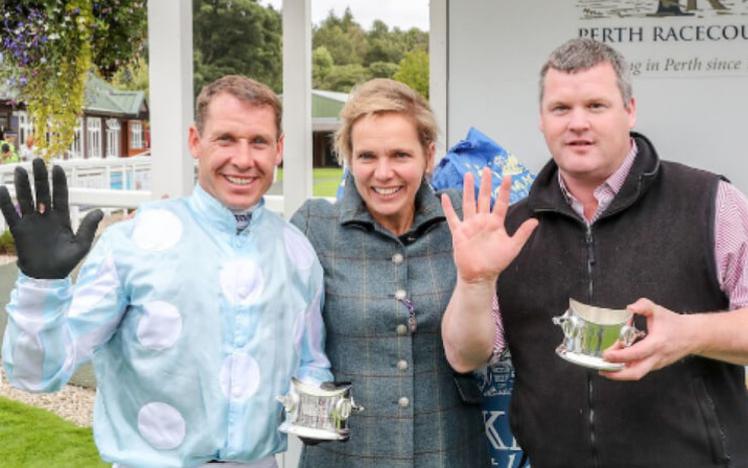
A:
[193,329]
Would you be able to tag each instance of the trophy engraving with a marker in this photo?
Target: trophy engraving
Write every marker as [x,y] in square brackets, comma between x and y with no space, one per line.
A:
[318,412]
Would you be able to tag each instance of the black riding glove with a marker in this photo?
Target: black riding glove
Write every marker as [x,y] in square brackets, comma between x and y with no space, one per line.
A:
[45,243]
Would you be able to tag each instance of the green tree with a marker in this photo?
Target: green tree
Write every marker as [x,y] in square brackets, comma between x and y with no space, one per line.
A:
[322,64]
[384,46]
[133,77]
[412,39]
[344,77]
[414,71]
[383,69]
[342,37]
[119,36]
[236,36]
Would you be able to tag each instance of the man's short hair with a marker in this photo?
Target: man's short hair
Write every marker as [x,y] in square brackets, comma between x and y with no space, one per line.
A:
[582,54]
[244,89]
[380,96]
[5,148]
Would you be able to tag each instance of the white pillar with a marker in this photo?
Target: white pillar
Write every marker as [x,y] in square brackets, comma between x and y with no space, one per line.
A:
[297,104]
[170,95]
[438,68]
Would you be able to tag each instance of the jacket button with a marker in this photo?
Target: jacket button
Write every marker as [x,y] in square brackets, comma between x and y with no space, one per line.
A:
[397,258]
[403,402]
[400,294]
[402,365]
[401,330]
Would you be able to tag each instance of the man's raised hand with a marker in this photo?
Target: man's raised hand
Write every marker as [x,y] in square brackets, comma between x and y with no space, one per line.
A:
[482,247]
[46,246]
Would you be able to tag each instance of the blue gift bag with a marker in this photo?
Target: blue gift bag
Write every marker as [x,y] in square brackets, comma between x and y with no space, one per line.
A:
[471,155]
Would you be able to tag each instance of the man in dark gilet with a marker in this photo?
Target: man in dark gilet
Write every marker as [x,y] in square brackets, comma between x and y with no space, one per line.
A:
[618,228]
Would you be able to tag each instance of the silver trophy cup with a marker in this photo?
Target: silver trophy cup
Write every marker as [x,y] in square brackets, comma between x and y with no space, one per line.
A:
[588,331]
[318,413]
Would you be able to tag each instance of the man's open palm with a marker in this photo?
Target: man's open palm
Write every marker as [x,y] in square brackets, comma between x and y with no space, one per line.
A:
[482,247]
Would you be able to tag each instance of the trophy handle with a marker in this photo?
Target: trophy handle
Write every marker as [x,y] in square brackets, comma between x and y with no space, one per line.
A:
[569,324]
[355,407]
[290,402]
[629,334]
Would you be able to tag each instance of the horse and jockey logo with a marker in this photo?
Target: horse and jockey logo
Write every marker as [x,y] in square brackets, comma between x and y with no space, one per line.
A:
[598,9]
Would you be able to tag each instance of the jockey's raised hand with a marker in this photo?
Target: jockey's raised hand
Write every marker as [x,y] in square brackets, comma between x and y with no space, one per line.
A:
[46,246]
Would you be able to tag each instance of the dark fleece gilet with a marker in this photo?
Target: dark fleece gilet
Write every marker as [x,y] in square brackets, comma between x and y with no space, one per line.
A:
[655,240]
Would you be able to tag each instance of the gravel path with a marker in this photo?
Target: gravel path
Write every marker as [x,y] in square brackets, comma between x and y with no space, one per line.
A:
[72,403]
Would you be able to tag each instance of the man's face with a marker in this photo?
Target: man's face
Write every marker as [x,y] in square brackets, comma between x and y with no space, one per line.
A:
[237,151]
[585,123]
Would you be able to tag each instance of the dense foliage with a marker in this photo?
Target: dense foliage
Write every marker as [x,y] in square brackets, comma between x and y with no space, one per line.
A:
[237,36]
[242,36]
[50,46]
[344,54]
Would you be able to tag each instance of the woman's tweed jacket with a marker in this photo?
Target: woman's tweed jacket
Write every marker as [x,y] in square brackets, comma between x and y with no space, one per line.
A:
[414,415]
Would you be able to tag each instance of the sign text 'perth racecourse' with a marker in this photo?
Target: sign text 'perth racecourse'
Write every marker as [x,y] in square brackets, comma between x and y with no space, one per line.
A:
[683,33]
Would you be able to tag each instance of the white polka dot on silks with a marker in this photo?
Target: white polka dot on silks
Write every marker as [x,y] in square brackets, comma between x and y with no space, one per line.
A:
[239,377]
[161,425]
[242,281]
[157,230]
[298,248]
[160,325]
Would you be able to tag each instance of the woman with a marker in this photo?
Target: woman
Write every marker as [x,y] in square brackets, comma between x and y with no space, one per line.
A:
[387,255]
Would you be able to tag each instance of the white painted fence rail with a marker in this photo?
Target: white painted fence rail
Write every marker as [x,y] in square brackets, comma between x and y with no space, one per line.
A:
[107,184]
[111,173]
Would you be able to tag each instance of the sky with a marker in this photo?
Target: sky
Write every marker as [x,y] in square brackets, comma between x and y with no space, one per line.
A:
[404,14]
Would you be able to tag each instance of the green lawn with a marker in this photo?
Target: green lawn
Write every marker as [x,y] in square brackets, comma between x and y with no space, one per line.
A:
[326,180]
[31,437]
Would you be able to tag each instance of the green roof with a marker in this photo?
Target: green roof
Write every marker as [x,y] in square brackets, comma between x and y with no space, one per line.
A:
[103,97]
[100,97]
[327,103]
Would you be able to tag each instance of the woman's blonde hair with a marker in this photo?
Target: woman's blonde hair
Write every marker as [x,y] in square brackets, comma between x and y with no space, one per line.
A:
[379,96]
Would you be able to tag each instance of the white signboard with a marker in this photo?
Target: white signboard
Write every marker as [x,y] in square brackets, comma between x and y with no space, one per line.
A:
[689,60]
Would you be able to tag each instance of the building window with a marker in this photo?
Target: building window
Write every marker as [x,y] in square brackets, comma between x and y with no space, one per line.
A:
[75,147]
[112,138]
[136,134]
[24,126]
[94,137]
